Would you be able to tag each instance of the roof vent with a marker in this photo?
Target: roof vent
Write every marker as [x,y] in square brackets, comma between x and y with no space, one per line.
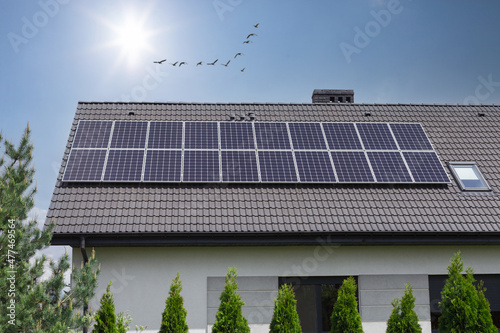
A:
[242,117]
[481,114]
[232,117]
[131,113]
[251,116]
[332,96]
[368,113]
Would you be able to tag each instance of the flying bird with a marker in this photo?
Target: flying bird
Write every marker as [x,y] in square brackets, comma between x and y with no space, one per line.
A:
[243,69]
[200,63]
[160,62]
[227,63]
[175,63]
[256,26]
[212,63]
[182,63]
[247,41]
[250,35]
[237,54]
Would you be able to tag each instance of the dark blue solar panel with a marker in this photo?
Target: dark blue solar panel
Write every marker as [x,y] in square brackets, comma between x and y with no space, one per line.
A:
[376,136]
[163,166]
[239,166]
[165,135]
[426,167]
[129,134]
[277,166]
[351,167]
[272,136]
[236,136]
[201,166]
[314,167]
[342,136]
[307,136]
[201,135]
[411,137]
[92,134]
[85,165]
[124,165]
[389,167]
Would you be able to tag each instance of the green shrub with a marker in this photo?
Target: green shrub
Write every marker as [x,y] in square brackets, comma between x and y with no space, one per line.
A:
[285,316]
[105,317]
[345,317]
[174,315]
[403,318]
[229,318]
[464,308]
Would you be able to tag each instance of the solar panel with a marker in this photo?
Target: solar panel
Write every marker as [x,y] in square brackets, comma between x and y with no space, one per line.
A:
[314,167]
[342,136]
[389,167]
[426,167]
[376,136]
[129,134]
[351,166]
[411,137]
[308,136]
[201,166]
[92,134]
[165,135]
[236,136]
[239,166]
[85,165]
[277,166]
[124,166]
[201,135]
[163,166]
[272,136]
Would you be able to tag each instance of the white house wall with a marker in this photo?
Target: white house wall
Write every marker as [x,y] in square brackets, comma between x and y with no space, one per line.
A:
[142,276]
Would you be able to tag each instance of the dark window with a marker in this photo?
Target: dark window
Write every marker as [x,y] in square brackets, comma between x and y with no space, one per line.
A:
[315,297]
[491,283]
[348,99]
[341,99]
[332,99]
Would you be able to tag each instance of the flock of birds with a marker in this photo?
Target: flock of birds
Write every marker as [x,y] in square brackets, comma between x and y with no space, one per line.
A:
[246,41]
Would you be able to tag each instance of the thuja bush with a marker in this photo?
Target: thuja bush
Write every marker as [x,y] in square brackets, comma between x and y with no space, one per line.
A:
[174,315]
[404,319]
[105,317]
[285,316]
[345,317]
[229,318]
[464,308]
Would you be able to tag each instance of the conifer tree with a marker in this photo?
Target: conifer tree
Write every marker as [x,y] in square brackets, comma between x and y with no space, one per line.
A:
[285,316]
[345,317]
[464,308]
[105,317]
[404,319]
[174,315]
[229,318]
[33,305]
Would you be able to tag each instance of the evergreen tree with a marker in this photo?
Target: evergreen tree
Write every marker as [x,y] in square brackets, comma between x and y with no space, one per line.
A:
[464,308]
[105,317]
[285,316]
[404,319]
[345,317]
[33,305]
[174,315]
[229,318]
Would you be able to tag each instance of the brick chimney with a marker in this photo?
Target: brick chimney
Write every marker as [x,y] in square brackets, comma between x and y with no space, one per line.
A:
[332,96]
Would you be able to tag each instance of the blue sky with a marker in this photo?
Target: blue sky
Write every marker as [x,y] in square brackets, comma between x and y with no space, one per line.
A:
[57,52]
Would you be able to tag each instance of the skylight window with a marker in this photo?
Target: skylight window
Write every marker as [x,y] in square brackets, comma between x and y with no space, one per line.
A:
[468,176]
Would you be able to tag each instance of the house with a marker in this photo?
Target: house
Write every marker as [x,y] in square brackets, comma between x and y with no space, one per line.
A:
[161,188]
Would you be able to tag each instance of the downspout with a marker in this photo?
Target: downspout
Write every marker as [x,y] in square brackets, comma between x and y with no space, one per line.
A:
[85,260]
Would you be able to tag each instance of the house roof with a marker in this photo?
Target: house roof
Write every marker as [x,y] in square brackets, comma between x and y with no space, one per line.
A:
[183,213]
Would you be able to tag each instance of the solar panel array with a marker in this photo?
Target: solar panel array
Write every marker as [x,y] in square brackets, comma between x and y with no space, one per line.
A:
[244,152]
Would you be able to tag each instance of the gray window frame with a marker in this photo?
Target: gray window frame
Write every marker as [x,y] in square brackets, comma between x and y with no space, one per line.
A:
[460,183]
